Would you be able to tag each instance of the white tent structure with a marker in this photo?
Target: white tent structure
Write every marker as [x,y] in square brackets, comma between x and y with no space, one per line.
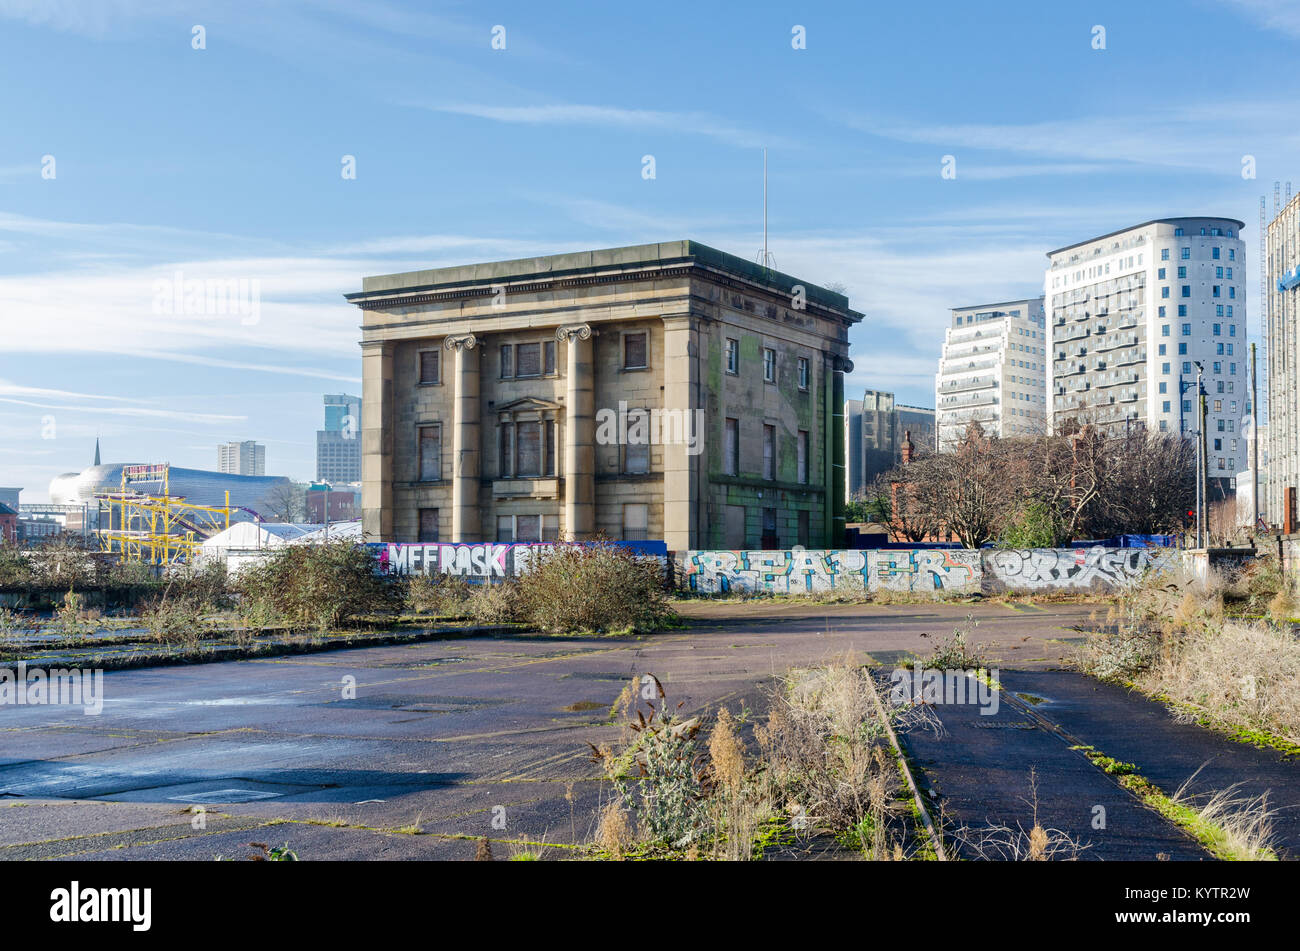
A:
[250,541]
[349,530]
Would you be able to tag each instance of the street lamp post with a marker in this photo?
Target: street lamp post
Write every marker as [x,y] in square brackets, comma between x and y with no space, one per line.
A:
[1201,468]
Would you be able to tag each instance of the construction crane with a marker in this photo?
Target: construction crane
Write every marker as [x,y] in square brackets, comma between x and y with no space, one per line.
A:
[156,529]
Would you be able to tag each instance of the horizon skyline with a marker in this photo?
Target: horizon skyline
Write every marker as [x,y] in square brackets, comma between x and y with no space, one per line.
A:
[211,178]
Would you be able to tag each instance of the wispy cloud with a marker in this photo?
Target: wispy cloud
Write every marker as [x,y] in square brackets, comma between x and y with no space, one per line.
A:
[1171,139]
[129,411]
[1280,15]
[689,123]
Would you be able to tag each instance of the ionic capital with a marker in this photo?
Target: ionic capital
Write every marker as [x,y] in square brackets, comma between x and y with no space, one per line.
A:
[465,342]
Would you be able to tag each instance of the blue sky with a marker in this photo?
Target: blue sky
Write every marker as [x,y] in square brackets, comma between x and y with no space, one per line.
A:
[225,163]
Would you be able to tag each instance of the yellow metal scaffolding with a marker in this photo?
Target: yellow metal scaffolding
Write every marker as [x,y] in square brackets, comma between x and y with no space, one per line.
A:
[156,529]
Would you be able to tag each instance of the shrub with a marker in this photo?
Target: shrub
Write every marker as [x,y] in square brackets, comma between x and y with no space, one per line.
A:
[11,622]
[493,603]
[670,798]
[594,587]
[73,620]
[317,587]
[174,619]
[15,569]
[1034,526]
[440,595]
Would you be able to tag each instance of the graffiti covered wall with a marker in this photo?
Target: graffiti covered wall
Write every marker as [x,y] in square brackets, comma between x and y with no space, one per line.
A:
[483,560]
[1073,569]
[922,571]
[939,571]
[779,572]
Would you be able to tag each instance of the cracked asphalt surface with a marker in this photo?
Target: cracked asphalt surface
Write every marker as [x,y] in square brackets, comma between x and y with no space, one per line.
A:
[444,741]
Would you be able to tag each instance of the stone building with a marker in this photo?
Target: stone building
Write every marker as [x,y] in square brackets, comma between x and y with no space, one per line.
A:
[664,391]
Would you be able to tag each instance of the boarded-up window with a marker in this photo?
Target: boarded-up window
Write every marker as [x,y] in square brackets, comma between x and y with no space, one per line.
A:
[734,533]
[550,448]
[430,452]
[505,529]
[528,528]
[528,359]
[731,447]
[803,528]
[528,449]
[430,366]
[507,361]
[634,351]
[550,528]
[803,456]
[636,452]
[428,525]
[769,452]
[636,521]
[548,356]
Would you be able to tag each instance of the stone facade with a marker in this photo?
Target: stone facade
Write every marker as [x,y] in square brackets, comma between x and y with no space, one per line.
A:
[490,393]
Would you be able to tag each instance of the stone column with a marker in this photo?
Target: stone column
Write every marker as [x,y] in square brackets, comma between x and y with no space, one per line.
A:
[681,463]
[377,441]
[465,441]
[579,434]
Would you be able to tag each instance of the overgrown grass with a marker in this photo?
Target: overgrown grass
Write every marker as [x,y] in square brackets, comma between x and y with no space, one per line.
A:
[1229,825]
[823,767]
[1003,843]
[1174,639]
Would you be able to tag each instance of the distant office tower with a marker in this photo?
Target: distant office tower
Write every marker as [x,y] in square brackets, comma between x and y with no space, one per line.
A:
[992,372]
[338,445]
[1282,290]
[242,458]
[874,428]
[1132,314]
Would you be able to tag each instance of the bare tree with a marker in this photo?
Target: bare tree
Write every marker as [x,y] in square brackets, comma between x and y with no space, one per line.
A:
[287,502]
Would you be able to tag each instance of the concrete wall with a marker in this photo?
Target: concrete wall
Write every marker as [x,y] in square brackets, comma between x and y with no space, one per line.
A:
[917,571]
[1073,569]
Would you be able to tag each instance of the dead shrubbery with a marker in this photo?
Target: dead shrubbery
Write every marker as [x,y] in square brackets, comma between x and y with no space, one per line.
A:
[441,595]
[824,766]
[315,587]
[593,587]
[1174,638]
[1002,843]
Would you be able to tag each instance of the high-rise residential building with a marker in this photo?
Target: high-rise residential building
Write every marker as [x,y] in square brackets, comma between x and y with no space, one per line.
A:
[242,458]
[663,391]
[1132,314]
[874,428]
[1282,349]
[991,372]
[338,445]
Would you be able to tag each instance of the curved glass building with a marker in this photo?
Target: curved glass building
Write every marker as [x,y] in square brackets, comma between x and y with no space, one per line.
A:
[255,495]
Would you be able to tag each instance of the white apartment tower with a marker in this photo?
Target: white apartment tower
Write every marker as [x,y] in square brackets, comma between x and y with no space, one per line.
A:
[1282,287]
[1131,315]
[992,372]
[242,458]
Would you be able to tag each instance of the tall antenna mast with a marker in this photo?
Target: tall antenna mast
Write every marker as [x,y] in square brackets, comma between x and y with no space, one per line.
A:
[764,207]
[764,257]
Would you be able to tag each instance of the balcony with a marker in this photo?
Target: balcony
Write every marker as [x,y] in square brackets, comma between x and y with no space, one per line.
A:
[988,398]
[971,383]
